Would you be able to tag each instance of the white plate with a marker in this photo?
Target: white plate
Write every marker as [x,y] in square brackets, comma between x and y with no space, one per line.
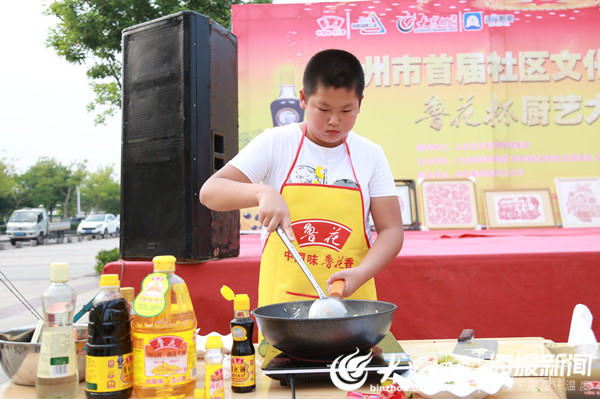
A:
[448,381]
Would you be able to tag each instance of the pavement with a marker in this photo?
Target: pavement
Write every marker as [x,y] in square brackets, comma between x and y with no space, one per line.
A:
[25,273]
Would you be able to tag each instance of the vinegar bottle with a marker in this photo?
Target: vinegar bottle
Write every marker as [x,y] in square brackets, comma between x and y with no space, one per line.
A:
[109,353]
[164,335]
[243,369]
[57,375]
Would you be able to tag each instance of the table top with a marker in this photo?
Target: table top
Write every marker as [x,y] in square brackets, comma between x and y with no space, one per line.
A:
[526,385]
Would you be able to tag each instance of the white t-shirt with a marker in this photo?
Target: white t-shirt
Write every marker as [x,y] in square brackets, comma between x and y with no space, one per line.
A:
[269,157]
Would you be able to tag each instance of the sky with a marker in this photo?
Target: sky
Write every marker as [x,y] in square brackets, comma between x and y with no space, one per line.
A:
[43,98]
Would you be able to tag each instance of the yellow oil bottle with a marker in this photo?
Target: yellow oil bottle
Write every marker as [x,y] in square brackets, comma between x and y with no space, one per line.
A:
[164,335]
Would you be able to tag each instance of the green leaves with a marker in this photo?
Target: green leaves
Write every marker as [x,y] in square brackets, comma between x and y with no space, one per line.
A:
[89,32]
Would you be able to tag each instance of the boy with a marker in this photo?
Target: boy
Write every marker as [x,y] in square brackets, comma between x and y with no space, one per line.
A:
[319,180]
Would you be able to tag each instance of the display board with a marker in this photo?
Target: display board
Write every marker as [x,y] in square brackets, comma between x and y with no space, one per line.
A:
[505,92]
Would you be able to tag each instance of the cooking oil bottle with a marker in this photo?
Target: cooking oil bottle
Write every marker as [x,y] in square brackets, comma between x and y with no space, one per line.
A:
[243,368]
[109,353]
[57,375]
[164,335]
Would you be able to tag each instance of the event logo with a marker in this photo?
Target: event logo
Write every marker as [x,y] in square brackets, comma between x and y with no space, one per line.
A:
[351,372]
[423,23]
[406,23]
[331,26]
[321,232]
[472,21]
[369,25]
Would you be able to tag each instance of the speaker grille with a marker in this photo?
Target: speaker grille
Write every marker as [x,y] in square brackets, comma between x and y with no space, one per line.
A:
[172,112]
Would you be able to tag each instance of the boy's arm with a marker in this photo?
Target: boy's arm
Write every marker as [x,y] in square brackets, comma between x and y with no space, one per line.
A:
[390,237]
[229,189]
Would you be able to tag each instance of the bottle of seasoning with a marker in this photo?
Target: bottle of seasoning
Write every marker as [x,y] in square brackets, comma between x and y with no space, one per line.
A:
[213,382]
[243,376]
[109,353]
[164,335]
[57,375]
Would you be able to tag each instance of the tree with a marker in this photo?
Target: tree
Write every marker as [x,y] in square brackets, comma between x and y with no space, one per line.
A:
[101,192]
[49,183]
[89,32]
[7,190]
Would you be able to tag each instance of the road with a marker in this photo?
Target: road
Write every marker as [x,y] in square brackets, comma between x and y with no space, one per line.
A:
[28,270]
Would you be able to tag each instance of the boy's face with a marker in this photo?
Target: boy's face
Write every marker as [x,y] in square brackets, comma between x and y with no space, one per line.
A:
[330,114]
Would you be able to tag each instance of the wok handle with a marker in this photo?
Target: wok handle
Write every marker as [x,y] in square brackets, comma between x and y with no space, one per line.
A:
[300,261]
[337,289]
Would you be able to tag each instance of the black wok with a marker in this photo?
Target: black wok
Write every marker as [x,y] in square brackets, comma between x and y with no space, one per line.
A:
[286,326]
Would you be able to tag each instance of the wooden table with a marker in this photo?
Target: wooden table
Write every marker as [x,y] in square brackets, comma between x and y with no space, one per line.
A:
[536,387]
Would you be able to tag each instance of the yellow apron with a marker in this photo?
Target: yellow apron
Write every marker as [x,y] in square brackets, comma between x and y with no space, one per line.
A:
[328,224]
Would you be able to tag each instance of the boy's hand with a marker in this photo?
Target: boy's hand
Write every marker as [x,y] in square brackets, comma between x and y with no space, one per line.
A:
[354,279]
[273,211]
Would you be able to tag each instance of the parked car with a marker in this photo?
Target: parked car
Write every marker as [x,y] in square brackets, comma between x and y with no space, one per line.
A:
[100,225]
[33,224]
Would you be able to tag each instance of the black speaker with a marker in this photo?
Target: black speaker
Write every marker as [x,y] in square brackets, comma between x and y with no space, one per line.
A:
[180,125]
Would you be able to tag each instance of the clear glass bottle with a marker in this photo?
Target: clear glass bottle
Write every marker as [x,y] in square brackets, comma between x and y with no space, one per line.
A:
[164,335]
[213,381]
[286,109]
[109,353]
[57,375]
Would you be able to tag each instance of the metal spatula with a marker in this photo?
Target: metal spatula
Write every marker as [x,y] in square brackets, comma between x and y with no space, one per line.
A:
[325,306]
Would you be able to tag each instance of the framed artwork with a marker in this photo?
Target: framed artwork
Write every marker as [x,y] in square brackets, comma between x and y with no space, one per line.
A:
[518,208]
[407,197]
[578,201]
[449,204]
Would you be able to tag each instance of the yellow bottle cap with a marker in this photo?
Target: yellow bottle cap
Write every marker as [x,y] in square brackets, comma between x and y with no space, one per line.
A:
[128,293]
[59,272]
[109,280]
[164,263]
[214,342]
[240,301]
[199,393]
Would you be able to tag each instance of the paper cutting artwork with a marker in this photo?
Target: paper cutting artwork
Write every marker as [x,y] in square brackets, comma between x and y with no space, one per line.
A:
[449,204]
[582,203]
[523,208]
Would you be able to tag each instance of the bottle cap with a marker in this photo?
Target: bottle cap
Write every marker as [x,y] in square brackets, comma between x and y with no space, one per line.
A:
[287,77]
[214,342]
[240,301]
[109,280]
[128,293]
[59,272]
[199,393]
[164,263]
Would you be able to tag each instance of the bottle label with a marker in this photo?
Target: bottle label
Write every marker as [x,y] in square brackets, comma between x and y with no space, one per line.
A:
[215,387]
[164,359]
[151,300]
[108,373]
[239,333]
[242,371]
[57,356]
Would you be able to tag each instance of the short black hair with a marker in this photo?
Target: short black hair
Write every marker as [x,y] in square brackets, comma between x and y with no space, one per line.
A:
[334,68]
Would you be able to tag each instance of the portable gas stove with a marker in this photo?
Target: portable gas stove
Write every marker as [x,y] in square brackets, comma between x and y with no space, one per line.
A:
[288,369]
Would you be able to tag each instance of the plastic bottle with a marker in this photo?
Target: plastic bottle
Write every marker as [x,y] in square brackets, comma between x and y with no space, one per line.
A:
[213,382]
[128,293]
[57,375]
[164,335]
[243,373]
[109,353]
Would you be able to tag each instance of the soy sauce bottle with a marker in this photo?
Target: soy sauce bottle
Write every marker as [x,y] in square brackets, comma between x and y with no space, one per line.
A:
[109,353]
[243,376]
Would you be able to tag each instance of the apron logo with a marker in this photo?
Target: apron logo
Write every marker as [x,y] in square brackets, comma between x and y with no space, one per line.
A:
[321,232]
